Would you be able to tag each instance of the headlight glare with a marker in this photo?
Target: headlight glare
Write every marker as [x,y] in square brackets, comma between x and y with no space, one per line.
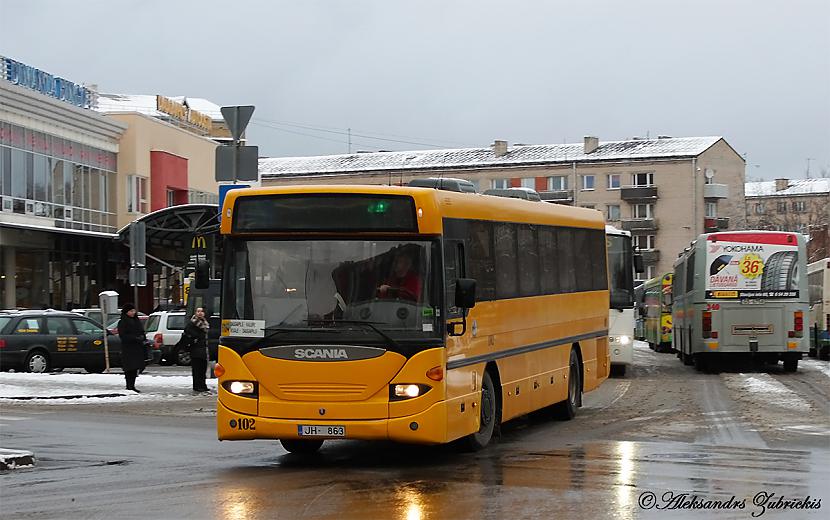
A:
[242,387]
[407,391]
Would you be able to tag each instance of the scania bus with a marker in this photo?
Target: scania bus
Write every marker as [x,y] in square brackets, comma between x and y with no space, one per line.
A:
[818,277]
[621,266]
[741,294]
[503,311]
[657,311]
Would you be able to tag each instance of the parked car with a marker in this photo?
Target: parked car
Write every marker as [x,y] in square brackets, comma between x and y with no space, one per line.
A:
[43,340]
[165,328]
[153,350]
[95,314]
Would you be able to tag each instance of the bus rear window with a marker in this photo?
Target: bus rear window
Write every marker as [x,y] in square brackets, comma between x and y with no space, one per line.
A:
[325,212]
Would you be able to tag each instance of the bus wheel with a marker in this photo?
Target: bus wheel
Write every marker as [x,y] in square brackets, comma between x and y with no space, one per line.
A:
[701,363]
[300,446]
[790,364]
[566,410]
[489,415]
[618,370]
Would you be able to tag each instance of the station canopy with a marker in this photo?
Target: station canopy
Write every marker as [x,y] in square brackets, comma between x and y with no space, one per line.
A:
[169,231]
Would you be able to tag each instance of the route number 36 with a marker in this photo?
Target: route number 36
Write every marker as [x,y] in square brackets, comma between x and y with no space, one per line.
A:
[751,266]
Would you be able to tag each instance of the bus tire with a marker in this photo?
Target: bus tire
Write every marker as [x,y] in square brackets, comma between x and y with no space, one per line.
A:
[790,364]
[701,362]
[301,446]
[780,271]
[566,410]
[618,370]
[490,415]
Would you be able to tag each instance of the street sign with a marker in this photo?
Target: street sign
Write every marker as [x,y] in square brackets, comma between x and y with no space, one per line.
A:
[237,118]
[223,190]
[237,163]
[138,244]
[138,276]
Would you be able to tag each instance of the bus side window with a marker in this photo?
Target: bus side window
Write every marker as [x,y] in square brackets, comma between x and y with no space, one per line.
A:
[690,272]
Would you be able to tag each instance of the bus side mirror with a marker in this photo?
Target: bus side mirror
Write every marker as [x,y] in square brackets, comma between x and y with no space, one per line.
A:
[202,274]
[638,264]
[465,293]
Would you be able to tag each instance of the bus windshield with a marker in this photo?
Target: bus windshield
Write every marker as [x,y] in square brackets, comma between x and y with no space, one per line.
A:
[303,284]
[620,270]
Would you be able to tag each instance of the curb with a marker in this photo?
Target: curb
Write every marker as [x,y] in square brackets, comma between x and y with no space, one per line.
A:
[13,459]
[77,396]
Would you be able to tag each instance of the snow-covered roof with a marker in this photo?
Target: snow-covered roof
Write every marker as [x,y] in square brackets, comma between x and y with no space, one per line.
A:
[796,187]
[517,155]
[146,104]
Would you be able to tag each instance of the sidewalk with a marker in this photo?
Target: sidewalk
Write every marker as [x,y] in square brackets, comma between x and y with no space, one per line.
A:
[85,388]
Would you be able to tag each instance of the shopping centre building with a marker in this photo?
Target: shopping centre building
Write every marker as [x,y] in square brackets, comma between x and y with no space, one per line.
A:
[76,167]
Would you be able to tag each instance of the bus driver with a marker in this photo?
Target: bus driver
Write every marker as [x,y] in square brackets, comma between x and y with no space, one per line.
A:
[403,282]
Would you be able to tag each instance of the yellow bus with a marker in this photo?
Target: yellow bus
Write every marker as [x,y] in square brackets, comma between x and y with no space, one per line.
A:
[410,314]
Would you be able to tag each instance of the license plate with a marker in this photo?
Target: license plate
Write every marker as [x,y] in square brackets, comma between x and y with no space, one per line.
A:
[305,430]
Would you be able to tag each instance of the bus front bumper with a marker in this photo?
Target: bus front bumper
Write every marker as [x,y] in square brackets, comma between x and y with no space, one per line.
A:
[427,427]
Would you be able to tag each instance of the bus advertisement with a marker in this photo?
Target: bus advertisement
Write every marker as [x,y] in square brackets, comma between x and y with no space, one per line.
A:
[657,310]
[408,314]
[741,293]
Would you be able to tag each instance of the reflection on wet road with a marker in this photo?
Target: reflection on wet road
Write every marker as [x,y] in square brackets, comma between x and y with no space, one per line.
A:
[652,444]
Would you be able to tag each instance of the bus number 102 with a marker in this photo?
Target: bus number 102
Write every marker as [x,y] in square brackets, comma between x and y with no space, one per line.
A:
[243,424]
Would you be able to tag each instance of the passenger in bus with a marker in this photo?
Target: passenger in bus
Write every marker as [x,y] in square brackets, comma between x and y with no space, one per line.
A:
[403,282]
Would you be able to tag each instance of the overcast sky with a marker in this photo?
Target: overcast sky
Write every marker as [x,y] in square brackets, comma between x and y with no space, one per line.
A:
[456,73]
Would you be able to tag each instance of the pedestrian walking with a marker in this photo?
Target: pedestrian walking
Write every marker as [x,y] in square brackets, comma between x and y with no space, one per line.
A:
[197,331]
[132,337]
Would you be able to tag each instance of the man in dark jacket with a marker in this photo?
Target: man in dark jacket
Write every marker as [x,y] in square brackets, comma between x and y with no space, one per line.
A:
[196,333]
[132,337]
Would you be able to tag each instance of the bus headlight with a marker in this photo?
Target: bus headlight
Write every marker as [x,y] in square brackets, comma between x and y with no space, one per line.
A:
[240,387]
[625,340]
[407,391]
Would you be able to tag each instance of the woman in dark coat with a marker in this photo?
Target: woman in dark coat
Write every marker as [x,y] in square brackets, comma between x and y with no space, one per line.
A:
[196,333]
[132,337]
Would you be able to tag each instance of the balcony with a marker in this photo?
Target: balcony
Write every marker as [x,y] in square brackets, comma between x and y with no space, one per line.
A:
[650,257]
[642,224]
[710,224]
[715,191]
[560,196]
[638,192]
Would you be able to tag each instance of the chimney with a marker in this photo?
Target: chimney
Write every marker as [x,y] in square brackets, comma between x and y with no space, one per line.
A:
[591,143]
[782,184]
[499,148]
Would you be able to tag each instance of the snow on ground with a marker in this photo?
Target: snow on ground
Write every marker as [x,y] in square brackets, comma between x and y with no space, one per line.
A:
[766,390]
[63,387]
[14,459]
[821,366]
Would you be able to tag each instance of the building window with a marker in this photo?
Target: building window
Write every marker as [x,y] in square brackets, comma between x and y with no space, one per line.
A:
[171,198]
[137,194]
[643,211]
[588,206]
[614,181]
[558,183]
[644,242]
[759,208]
[711,209]
[799,206]
[782,207]
[587,182]
[501,184]
[529,182]
[642,179]
[613,212]
[648,274]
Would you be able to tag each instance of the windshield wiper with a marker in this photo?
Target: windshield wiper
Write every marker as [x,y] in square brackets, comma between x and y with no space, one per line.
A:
[369,324]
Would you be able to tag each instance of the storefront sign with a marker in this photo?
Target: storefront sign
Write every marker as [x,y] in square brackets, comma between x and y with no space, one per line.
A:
[182,113]
[45,83]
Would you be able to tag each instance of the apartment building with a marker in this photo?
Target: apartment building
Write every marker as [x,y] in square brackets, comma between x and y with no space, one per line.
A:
[665,191]
[800,205]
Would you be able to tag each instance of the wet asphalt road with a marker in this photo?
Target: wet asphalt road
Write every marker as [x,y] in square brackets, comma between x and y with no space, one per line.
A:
[639,442]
